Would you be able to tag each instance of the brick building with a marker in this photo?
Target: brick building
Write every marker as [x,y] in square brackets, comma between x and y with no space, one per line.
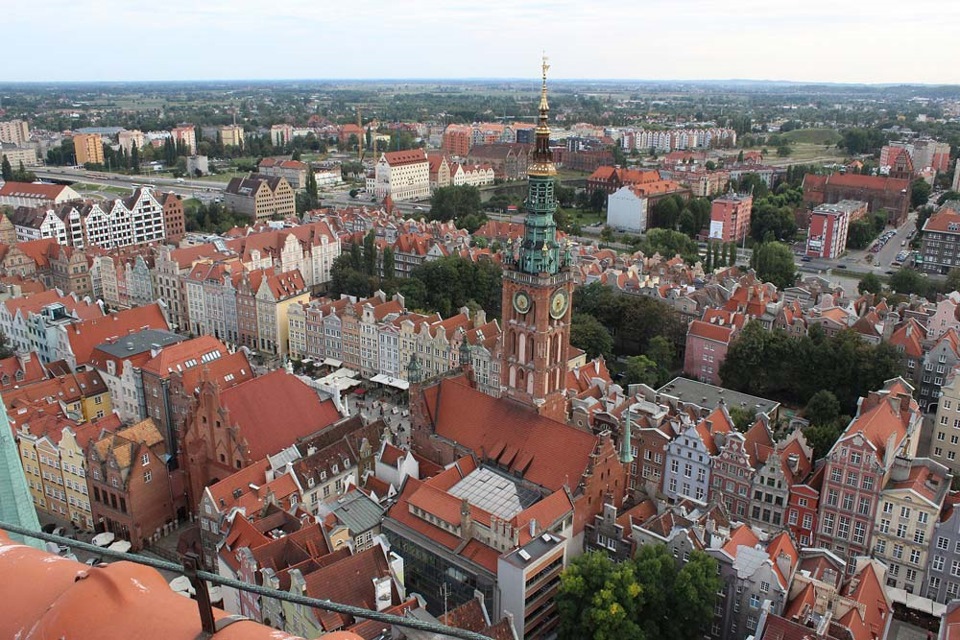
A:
[130,486]
[879,192]
[730,217]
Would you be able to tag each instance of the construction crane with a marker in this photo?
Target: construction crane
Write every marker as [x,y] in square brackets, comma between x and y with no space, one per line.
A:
[360,137]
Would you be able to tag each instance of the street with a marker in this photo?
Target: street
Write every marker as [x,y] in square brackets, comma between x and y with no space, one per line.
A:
[204,191]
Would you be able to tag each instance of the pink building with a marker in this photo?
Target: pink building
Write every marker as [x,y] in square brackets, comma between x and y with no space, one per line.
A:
[828,227]
[859,464]
[707,344]
[730,217]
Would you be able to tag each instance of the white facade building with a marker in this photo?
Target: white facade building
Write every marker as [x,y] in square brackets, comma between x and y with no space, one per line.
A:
[403,175]
[626,210]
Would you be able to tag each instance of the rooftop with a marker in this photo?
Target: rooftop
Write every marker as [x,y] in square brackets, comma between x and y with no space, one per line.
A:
[493,492]
[709,396]
[140,342]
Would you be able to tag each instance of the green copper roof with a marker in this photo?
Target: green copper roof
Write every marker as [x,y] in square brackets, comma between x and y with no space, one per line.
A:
[16,505]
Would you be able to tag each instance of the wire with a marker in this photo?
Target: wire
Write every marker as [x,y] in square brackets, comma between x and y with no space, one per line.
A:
[326,605]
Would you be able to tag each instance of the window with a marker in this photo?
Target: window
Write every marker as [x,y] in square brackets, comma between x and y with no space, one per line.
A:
[914,556]
[674,466]
[942,543]
[855,457]
[904,512]
[881,547]
[847,501]
[832,498]
[853,479]
[836,475]
[859,532]
[922,517]
[884,526]
[864,507]
[808,521]
[843,527]
[888,507]
[919,535]
[934,586]
[955,568]
[901,530]
[868,483]
[754,601]
[145,459]
[827,527]
[764,587]
[147,476]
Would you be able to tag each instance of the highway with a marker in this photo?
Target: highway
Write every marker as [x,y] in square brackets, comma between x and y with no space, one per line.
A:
[200,189]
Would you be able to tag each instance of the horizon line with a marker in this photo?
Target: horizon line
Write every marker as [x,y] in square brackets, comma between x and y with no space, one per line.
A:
[453,80]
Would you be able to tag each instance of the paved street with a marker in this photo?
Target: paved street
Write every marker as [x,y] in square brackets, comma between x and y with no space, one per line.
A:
[393,408]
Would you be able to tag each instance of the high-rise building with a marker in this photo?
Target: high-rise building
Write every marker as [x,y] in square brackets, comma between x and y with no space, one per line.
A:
[829,224]
[15,132]
[231,135]
[88,148]
[730,217]
[187,136]
[537,291]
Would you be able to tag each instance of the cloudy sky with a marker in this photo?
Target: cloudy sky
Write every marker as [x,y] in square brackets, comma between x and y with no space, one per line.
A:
[803,40]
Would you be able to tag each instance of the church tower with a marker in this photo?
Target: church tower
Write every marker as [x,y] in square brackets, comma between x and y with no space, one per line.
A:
[537,290]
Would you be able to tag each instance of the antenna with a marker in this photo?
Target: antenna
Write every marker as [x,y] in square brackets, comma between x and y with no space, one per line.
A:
[444,593]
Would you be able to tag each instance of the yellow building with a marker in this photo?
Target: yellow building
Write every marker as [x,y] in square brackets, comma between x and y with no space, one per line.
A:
[231,135]
[88,148]
[277,292]
[73,465]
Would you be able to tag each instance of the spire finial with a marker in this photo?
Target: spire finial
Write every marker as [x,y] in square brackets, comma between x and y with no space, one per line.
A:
[544,106]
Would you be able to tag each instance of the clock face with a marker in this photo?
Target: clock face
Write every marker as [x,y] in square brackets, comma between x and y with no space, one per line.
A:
[558,303]
[521,302]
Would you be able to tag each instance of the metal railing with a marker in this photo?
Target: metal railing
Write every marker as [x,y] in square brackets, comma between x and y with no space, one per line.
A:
[199,577]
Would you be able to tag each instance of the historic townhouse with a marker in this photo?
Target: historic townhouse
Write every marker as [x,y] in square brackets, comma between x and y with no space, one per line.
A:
[403,175]
[732,475]
[130,484]
[689,457]
[310,248]
[756,576]
[858,467]
[260,197]
[276,294]
[786,465]
[938,361]
[910,507]
[31,322]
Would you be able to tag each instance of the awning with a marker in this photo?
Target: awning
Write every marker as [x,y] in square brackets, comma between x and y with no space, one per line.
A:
[915,602]
[331,362]
[390,381]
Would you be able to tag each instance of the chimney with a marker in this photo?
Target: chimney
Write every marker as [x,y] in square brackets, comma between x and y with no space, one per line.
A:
[900,470]
[533,528]
[793,461]
[383,592]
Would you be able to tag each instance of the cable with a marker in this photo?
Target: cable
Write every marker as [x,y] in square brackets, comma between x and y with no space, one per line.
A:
[326,605]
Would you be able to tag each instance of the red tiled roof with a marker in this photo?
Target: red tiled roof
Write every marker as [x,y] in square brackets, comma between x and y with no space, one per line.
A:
[873,183]
[411,156]
[173,357]
[349,581]
[275,410]
[226,372]
[707,331]
[29,189]
[222,491]
[868,591]
[48,596]
[946,219]
[558,454]
[30,371]
[85,336]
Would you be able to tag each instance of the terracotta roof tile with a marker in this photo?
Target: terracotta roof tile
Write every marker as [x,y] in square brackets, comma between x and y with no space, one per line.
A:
[85,336]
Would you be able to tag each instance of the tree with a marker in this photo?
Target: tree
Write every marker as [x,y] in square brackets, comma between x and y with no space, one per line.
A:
[732,258]
[743,417]
[389,263]
[598,200]
[822,408]
[669,243]
[639,598]
[370,253]
[773,262]
[661,351]
[907,281]
[953,280]
[7,170]
[769,219]
[919,193]
[134,159]
[642,370]
[870,283]
[588,334]
[5,350]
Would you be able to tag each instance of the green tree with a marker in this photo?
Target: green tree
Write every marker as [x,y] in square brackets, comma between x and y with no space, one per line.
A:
[732,254]
[919,193]
[907,281]
[661,351]
[769,219]
[6,170]
[370,253]
[822,437]
[389,263]
[822,408]
[773,262]
[134,159]
[743,417]
[870,283]
[642,370]
[5,350]
[708,260]
[669,243]
[588,334]
[598,200]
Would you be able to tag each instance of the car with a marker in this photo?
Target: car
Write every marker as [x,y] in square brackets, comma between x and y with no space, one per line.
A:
[889,273]
[841,266]
[805,259]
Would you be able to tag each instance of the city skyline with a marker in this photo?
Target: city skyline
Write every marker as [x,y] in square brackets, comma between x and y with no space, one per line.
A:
[688,41]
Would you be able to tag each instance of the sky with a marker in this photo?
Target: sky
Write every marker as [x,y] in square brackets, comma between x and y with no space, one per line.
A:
[883,41]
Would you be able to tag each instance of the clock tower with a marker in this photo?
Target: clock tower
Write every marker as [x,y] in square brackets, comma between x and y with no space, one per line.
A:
[537,291]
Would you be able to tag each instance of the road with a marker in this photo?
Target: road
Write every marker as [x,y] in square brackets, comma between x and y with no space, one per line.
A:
[202,190]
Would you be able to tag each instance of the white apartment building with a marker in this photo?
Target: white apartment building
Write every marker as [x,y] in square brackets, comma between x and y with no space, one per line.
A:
[403,175]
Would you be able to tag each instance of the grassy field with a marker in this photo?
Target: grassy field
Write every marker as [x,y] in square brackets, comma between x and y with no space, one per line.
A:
[805,153]
[84,186]
[813,136]
[224,177]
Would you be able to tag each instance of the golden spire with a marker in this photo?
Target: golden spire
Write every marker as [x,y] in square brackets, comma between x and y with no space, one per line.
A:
[542,160]
[544,107]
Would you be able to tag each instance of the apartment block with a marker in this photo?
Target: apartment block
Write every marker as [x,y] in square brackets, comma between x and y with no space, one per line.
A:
[88,148]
